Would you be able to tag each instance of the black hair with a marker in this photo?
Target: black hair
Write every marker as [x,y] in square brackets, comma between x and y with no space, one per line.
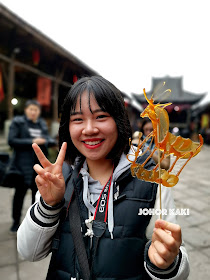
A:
[110,100]
[32,102]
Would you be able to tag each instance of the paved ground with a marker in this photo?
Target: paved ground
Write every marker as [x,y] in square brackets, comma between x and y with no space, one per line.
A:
[192,191]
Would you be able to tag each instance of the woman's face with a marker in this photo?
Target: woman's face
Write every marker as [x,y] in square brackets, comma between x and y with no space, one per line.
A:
[147,128]
[94,134]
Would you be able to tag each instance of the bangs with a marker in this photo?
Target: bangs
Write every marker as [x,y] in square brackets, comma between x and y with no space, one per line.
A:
[76,94]
[101,96]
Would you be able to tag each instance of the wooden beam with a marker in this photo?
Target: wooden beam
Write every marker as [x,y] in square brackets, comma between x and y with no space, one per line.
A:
[35,71]
[5,58]
[43,39]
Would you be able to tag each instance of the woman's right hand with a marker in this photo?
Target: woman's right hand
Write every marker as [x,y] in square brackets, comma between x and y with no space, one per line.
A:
[50,180]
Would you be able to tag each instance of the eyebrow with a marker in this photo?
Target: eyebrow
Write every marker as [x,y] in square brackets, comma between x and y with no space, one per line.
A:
[81,113]
[76,113]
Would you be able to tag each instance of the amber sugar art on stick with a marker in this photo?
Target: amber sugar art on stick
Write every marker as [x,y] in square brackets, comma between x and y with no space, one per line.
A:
[166,144]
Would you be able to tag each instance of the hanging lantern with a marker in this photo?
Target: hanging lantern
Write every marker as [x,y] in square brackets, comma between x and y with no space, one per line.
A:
[44,87]
[36,57]
[75,78]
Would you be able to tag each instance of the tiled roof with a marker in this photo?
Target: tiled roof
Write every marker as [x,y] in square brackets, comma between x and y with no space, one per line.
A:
[178,95]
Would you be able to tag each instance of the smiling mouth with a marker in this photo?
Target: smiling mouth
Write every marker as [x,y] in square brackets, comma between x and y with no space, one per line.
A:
[93,143]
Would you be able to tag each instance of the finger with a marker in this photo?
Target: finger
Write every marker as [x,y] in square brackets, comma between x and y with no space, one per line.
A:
[165,238]
[40,181]
[159,261]
[162,250]
[55,179]
[41,157]
[39,170]
[61,155]
[173,228]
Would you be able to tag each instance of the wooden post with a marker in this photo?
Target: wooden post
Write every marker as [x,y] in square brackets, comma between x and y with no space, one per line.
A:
[11,83]
[58,78]
[55,101]
[55,123]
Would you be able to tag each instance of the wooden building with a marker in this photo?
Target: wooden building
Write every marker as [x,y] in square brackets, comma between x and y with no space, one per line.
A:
[32,64]
[182,101]
[201,118]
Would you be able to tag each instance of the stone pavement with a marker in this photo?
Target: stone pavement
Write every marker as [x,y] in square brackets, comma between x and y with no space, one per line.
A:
[12,267]
[192,191]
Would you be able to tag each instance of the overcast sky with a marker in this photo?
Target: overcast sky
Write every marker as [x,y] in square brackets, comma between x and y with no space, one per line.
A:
[129,42]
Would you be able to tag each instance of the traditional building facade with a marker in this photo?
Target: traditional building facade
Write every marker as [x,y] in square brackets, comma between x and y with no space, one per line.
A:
[180,111]
[32,66]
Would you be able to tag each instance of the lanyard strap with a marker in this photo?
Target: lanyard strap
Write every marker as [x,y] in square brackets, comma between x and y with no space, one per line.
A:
[103,202]
[100,217]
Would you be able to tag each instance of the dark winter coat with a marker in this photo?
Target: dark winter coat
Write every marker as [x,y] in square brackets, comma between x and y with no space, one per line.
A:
[118,258]
[20,140]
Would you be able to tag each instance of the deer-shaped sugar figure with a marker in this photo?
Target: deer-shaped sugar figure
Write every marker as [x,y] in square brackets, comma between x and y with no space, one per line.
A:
[166,143]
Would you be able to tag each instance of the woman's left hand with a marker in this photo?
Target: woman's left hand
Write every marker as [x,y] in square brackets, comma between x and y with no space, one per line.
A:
[166,240]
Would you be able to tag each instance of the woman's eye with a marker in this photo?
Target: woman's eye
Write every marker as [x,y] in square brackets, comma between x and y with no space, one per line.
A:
[102,116]
[76,120]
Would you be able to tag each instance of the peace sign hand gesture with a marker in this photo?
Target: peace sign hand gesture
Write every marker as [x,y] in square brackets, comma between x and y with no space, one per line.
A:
[50,180]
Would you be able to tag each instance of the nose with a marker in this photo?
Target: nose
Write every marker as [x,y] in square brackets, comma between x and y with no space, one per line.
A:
[90,128]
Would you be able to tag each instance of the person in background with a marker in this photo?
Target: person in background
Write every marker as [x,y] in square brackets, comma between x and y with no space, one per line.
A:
[146,129]
[23,132]
[89,196]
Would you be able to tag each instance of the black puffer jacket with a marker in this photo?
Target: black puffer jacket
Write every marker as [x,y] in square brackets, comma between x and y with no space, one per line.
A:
[20,140]
[118,258]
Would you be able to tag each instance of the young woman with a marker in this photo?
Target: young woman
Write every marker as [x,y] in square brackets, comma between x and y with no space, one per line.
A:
[91,183]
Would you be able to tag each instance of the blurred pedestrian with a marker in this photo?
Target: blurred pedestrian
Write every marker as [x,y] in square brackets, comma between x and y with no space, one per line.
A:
[23,132]
[146,129]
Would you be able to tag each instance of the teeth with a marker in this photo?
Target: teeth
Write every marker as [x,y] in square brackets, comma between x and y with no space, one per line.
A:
[92,143]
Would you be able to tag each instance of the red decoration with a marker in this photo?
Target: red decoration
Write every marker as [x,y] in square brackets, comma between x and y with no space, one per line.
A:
[44,91]
[36,57]
[75,78]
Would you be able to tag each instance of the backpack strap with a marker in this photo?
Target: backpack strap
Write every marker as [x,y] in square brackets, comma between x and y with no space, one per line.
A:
[67,171]
[75,226]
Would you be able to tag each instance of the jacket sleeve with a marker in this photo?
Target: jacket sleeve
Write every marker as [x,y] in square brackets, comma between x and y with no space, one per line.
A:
[179,270]
[14,139]
[35,234]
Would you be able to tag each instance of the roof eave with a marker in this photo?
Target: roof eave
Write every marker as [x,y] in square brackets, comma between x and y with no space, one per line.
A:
[42,37]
